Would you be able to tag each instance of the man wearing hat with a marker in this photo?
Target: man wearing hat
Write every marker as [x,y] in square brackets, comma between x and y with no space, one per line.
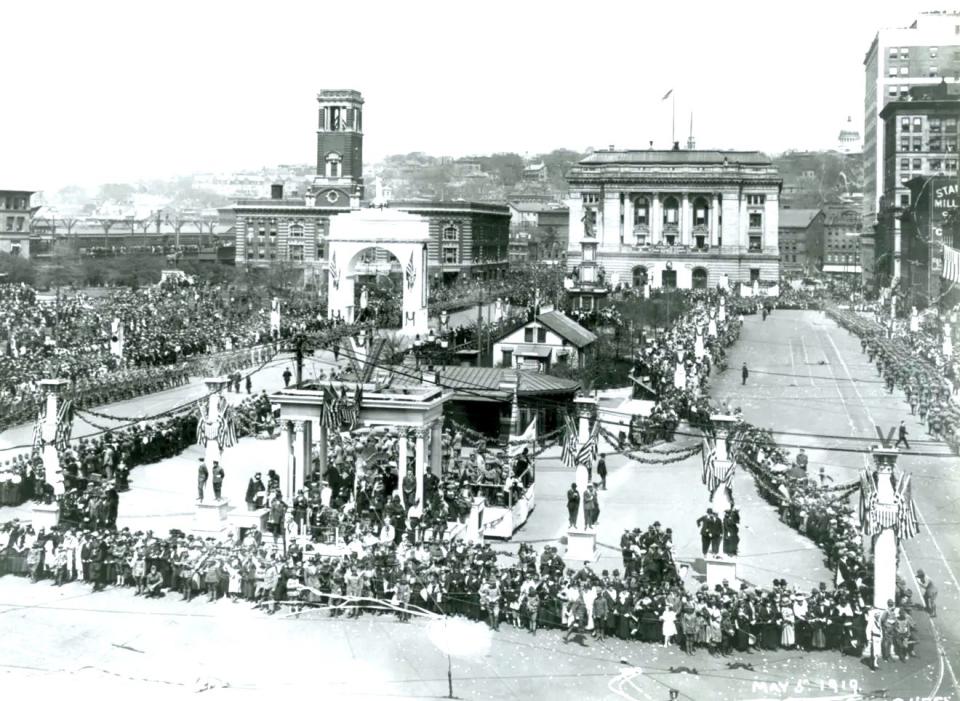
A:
[254,487]
[202,476]
[218,475]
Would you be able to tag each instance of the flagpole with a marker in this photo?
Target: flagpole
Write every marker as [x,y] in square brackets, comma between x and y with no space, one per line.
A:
[673,119]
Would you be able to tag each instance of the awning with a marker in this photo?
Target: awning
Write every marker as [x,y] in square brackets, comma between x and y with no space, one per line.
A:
[533,351]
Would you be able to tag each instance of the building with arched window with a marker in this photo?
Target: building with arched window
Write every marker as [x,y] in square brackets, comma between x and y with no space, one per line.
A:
[674,218]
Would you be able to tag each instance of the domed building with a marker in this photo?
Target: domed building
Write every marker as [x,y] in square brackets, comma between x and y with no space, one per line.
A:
[849,140]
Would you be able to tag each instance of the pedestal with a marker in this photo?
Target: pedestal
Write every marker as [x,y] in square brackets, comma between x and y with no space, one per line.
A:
[719,569]
[474,532]
[581,546]
[45,516]
[242,519]
[210,517]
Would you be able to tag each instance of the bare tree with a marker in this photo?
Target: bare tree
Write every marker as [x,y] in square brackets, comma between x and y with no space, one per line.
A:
[106,224]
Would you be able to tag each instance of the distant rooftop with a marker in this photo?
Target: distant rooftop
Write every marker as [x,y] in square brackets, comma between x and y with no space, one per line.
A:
[797,218]
[672,157]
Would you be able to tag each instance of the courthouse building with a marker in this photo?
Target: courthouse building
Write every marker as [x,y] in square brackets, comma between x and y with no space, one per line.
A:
[674,218]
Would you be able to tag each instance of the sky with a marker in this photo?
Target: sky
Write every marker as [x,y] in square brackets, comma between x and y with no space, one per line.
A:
[99,91]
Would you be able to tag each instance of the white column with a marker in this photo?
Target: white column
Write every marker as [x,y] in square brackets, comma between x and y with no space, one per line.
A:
[743,236]
[213,450]
[656,218]
[685,220]
[628,235]
[48,431]
[303,457]
[288,442]
[610,233]
[714,221]
[402,463]
[420,459]
[770,218]
[885,543]
[586,406]
[436,449]
[722,424]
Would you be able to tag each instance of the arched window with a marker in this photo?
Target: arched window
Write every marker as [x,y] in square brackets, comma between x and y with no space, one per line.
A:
[699,278]
[639,276]
[671,211]
[333,165]
[641,212]
[701,211]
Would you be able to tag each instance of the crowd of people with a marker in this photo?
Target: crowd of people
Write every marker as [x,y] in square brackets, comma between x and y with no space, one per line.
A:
[164,327]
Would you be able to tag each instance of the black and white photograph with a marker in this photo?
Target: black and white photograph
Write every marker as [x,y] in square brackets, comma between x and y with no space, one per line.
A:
[426,349]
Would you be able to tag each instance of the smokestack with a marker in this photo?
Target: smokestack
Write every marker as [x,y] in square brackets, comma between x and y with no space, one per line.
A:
[676,145]
[276,191]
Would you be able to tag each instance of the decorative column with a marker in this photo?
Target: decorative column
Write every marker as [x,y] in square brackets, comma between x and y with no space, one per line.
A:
[302,454]
[656,218]
[290,444]
[52,389]
[214,450]
[880,525]
[402,463]
[420,459]
[743,237]
[715,221]
[685,219]
[436,448]
[947,339]
[721,497]
[628,219]
[581,542]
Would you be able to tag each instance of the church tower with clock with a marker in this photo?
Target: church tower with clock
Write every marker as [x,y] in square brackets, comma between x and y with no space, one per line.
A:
[339,179]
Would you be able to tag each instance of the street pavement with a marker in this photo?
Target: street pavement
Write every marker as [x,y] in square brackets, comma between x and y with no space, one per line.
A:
[115,643]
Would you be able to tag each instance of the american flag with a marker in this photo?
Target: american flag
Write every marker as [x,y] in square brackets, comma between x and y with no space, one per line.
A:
[411,271]
[908,520]
[951,264]
[569,451]
[64,425]
[331,409]
[201,425]
[714,474]
[334,270]
[38,431]
[227,429]
[587,453]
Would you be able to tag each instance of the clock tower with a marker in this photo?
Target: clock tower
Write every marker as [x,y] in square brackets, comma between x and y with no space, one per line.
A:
[339,179]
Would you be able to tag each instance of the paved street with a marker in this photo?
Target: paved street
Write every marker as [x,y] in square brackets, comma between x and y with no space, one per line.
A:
[809,376]
[256,654]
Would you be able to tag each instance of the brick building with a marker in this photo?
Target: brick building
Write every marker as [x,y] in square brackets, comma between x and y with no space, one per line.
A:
[842,227]
[801,240]
[924,53]
[15,222]
[921,134]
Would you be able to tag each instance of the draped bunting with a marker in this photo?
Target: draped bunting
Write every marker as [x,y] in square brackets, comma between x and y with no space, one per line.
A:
[901,515]
[64,424]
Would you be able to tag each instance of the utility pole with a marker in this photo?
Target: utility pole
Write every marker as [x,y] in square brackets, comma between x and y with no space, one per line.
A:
[480,329]
[300,349]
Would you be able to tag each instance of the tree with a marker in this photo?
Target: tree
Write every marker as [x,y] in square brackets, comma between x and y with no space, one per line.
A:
[106,224]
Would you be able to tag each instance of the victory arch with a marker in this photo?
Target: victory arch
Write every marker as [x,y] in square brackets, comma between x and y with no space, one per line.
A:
[404,236]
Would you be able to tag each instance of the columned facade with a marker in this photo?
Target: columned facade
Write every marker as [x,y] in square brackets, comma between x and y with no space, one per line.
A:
[687,216]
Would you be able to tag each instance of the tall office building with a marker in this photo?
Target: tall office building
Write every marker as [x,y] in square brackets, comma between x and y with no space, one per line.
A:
[925,53]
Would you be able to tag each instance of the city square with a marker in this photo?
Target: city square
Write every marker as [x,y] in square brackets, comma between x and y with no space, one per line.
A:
[674,422]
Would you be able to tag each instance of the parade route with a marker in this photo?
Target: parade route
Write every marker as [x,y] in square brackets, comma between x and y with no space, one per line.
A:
[811,384]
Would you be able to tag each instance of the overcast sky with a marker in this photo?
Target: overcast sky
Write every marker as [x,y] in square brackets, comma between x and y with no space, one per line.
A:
[114,91]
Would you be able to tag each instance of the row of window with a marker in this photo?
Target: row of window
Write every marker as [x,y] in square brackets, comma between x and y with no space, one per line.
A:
[903,71]
[295,253]
[15,223]
[934,165]
[13,203]
[935,144]
[934,124]
[842,259]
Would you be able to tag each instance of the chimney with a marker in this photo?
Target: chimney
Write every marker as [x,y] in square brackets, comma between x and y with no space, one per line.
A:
[276,191]
[651,145]
[676,145]
[611,147]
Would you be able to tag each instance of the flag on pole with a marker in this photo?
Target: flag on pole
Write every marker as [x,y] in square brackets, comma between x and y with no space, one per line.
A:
[334,271]
[226,430]
[951,264]
[669,93]
[587,453]
[64,424]
[331,409]
[201,425]
[908,520]
[569,451]
[411,272]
